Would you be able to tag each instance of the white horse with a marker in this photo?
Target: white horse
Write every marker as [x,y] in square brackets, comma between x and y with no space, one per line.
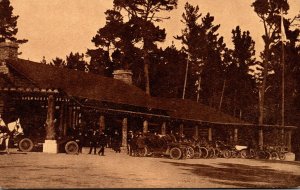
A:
[12,129]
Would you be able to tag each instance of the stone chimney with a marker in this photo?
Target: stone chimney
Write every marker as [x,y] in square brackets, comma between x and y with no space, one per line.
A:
[123,75]
[8,50]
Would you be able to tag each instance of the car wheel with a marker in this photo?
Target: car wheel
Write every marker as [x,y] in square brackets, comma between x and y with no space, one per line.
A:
[175,153]
[26,145]
[71,147]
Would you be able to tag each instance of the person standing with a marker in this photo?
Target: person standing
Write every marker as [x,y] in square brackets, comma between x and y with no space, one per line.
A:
[93,141]
[116,142]
[129,143]
[102,143]
[80,137]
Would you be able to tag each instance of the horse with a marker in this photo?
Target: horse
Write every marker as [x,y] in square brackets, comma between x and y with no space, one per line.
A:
[12,129]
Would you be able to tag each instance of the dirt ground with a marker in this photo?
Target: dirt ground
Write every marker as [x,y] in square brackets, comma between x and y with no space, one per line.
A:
[118,170]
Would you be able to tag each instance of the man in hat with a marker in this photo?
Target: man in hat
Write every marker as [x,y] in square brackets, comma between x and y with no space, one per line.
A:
[102,143]
[129,143]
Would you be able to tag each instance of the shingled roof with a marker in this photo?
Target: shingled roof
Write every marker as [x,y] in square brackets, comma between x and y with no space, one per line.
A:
[96,87]
[81,84]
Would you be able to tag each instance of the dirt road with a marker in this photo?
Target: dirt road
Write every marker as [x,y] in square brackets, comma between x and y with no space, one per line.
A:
[41,170]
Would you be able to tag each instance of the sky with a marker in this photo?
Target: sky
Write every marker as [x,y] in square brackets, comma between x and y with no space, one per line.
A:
[55,28]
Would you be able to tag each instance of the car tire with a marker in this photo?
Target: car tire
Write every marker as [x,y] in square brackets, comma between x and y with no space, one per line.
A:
[71,147]
[25,145]
[175,153]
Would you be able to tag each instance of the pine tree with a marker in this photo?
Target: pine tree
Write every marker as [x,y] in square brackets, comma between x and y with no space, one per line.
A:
[8,23]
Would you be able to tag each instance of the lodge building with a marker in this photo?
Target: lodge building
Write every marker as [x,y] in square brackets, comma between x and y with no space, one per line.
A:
[59,100]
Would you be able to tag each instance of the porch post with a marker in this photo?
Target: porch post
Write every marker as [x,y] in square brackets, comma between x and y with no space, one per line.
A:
[209,134]
[61,120]
[289,140]
[260,138]
[181,129]
[102,123]
[66,116]
[124,132]
[235,136]
[50,145]
[145,127]
[196,134]
[163,128]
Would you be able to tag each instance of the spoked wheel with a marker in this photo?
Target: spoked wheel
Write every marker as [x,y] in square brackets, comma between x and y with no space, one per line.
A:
[71,147]
[268,155]
[226,153]
[204,152]
[274,155]
[147,152]
[197,152]
[175,153]
[26,145]
[211,153]
[252,153]
[234,154]
[281,156]
[190,153]
[243,154]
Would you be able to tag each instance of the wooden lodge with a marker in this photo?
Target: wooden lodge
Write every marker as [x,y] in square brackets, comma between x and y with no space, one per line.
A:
[59,100]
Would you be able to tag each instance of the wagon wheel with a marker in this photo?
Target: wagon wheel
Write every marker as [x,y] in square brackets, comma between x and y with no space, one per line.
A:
[234,154]
[71,147]
[190,153]
[213,153]
[26,145]
[146,152]
[243,153]
[274,155]
[204,152]
[267,155]
[226,153]
[175,153]
[197,151]
[253,153]
[281,156]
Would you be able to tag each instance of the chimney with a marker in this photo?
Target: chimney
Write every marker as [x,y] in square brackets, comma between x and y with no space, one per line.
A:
[123,75]
[8,50]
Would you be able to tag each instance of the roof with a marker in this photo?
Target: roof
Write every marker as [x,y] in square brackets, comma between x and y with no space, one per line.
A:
[81,84]
[191,110]
[96,87]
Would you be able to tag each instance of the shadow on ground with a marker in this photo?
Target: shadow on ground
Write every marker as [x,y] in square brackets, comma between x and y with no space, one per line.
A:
[242,175]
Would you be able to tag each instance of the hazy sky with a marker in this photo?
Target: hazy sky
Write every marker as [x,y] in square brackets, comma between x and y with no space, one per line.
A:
[54,28]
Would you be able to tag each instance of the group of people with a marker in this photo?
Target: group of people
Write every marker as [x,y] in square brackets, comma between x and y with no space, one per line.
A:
[96,139]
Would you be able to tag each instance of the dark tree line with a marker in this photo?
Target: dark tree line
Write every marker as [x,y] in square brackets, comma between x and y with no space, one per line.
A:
[231,80]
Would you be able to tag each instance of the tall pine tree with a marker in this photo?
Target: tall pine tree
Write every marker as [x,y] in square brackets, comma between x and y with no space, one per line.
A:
[8,23]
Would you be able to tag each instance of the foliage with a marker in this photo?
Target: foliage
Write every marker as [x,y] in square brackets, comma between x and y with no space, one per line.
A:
[8,23]
[58,62]
[75,61]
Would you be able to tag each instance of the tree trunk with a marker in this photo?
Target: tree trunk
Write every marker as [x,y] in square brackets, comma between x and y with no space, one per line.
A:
[199,88]
[146,71]
[222,94]
[262,95]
